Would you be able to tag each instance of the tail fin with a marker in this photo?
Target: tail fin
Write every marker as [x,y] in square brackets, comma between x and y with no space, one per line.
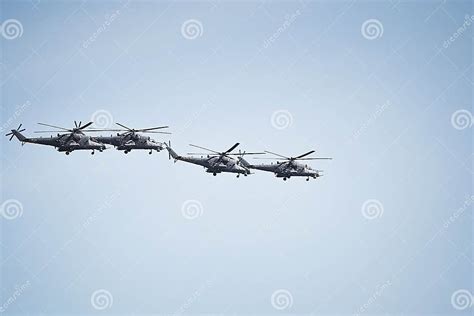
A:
[17,133]
[171,152]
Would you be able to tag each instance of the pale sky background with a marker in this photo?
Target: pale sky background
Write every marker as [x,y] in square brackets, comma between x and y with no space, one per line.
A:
[381,107]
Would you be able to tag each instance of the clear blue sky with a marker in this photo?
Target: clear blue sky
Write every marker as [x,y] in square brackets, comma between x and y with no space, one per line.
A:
[381,105]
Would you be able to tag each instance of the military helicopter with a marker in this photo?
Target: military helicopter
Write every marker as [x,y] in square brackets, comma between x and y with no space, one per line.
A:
[289,167]
[130,138]
[74,139]
[216,162]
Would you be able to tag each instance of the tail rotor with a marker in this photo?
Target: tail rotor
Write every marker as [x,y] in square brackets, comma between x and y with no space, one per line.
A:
[19,130]
[11,137]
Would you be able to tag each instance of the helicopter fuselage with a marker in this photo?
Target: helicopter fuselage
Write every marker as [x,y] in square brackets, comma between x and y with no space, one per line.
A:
[129,142]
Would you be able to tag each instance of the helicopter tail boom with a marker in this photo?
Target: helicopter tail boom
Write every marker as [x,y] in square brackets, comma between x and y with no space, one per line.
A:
[19,135]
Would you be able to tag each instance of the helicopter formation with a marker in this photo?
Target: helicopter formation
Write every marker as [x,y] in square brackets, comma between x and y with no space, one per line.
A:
[127,139]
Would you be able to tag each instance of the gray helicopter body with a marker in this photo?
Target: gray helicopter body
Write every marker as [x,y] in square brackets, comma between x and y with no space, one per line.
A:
[213,163]
[130,138]
[128,142]
[67,143]
[289,167]
[285,169]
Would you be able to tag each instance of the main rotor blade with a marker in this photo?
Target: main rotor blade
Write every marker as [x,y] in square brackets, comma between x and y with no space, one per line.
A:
[85,125]
[75,123]
[151,128]
[124,130]
[155,132]
[98,130]
[245,153]
[231,148]
[45,131]
[205,149]
[65,129]
[121,125]
[106,130]
[316,158]
[304,155]
[200,154]
[269,152]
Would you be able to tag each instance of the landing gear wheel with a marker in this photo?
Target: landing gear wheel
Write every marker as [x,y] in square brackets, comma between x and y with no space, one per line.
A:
[284,179]
[67,152]
[307,179]
[214,174]
[238,175]
[92,152]
[125,152]
[150,152]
